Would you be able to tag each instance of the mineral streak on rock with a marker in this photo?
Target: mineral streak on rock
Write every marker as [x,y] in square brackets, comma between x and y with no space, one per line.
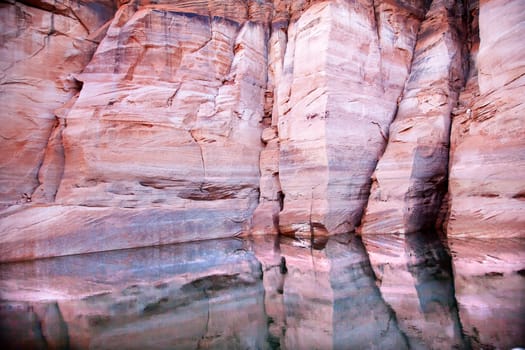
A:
[335,103]
[410,179]
[487,189]
[136,123]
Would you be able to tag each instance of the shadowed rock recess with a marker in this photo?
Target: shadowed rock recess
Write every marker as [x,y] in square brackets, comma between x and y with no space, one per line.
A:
[143,123]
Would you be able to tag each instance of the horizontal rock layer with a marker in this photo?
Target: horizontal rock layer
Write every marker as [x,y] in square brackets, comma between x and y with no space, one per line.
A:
[161,121]
[487,190]
[41,231]
[43,44]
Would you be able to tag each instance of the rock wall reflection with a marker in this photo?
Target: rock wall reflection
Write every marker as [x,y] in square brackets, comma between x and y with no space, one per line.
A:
[325,297]
[270,292]
[192,296]
[489,276]
[415,278]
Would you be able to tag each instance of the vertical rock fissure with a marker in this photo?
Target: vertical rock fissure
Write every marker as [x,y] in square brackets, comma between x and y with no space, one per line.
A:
[464,31]
[57,128]
[377,25]
[444,214]
[45,43]
[420,132]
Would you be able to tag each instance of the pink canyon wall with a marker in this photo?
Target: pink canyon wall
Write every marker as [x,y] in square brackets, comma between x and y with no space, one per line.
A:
[137,123]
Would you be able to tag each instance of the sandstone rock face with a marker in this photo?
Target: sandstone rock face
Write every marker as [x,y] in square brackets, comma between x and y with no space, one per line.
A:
[334,106]
[410,179]
[167,123]
[43,44]
[487,151]
[189,95]
[158,122]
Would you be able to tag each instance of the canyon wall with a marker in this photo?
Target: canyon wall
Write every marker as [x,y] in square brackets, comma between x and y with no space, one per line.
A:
[410,178]
[43,45]
[487,190]
[138,123]
[335,104]
[162,143]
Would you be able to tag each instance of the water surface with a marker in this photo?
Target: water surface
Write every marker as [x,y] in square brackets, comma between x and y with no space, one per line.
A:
[382,292]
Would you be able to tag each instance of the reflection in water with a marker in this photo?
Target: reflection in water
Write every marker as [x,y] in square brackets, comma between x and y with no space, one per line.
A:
[489,276]
[327,298]
[266,293]
[190,296]
[415,278]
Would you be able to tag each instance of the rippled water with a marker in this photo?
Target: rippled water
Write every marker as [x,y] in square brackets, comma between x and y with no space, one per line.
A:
[383,292]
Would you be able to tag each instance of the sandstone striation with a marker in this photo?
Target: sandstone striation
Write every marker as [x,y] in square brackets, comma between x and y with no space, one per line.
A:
[158,122]
[165,130]
[487,150]
[334,106]
[410,179]
[167,99]
[43,44]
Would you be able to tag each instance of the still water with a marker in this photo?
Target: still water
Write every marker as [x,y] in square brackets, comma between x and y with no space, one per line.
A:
[380,292]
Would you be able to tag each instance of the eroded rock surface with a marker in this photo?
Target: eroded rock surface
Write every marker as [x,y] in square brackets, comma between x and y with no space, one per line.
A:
[487,151]
[157,122]
[410,179]
[335,103]
[166,130]
[42,45]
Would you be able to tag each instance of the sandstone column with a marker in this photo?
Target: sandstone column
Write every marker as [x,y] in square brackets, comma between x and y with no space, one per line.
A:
[337,99]
[410,179]
[487,187]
